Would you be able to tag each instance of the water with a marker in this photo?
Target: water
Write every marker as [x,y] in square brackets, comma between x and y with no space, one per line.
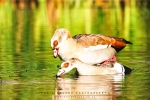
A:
[27,66]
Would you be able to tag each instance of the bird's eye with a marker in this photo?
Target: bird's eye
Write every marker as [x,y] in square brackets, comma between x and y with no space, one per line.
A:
[55,43]
[66,65]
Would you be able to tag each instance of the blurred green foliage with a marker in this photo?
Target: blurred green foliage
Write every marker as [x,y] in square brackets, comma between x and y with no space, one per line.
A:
[26,27]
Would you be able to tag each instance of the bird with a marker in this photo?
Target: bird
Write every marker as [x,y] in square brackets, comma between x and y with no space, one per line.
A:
[89,48]
[112,67]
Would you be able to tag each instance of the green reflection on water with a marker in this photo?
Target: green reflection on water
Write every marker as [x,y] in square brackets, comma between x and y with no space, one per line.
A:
[27,65]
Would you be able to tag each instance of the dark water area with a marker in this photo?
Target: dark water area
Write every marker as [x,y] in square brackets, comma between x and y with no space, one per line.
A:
[27,65]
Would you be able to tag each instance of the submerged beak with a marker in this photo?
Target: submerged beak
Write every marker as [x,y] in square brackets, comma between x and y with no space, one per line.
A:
[60,72]
[55,53]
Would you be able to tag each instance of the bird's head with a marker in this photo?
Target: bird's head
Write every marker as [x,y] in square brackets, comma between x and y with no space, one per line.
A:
[58,39]
[66,67]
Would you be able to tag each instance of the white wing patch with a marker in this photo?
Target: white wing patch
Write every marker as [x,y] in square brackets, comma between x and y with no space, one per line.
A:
[98,47]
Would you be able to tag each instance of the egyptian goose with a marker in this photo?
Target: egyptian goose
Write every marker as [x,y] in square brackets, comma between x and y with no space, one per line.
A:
[89,48]
[112,67]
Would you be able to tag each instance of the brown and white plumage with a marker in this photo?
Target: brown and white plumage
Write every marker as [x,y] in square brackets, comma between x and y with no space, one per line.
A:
[95,40]
[112,67]
[89,48]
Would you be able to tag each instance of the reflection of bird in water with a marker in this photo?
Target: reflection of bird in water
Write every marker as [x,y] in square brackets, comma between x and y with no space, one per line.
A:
[88,48]
[112,67]
[101,87]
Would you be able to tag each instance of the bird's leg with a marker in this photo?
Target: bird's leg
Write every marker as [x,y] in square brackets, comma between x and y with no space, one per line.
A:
[111,59]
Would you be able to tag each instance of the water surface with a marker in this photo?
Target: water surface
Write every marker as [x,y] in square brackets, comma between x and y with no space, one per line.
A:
[27,66]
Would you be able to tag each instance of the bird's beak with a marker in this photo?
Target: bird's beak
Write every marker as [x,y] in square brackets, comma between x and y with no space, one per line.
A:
[55,53]
[60,72]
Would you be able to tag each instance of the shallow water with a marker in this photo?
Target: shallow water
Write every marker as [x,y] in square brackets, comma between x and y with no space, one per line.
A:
[27,66]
